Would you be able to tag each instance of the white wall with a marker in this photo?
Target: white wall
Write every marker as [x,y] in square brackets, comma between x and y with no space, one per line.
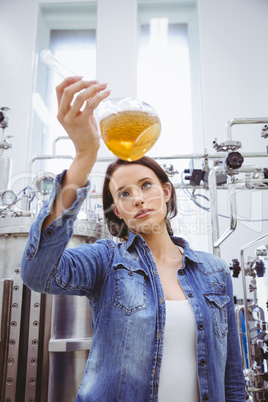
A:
[234,80]
[233,39]
[233,42]
[17,31]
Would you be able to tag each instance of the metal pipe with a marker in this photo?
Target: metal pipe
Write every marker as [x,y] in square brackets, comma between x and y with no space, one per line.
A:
[245,293]
[47,157]
[112,159]
[2,141]
[239,309]
[69,344]
[216,240]
[183,156]
[233,216]
[220,155]
[230,123]
[54,144]
[214,206]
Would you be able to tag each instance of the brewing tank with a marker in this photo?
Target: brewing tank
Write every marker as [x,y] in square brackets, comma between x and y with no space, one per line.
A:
[45,340]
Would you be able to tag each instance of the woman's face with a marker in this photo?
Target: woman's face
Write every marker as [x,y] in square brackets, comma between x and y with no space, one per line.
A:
[139,198]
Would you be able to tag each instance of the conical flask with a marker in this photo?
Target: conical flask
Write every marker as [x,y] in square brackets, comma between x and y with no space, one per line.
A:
[129,127]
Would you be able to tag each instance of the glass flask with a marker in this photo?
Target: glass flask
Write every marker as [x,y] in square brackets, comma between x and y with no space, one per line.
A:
[129,127]
[48,58]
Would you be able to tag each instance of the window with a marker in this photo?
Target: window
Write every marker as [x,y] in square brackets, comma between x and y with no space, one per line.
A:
[69,31]
[168,79]
[164,81]
[159,64]
[77,50]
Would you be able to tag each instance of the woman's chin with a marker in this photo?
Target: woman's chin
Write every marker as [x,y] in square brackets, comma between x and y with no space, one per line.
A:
[145,228]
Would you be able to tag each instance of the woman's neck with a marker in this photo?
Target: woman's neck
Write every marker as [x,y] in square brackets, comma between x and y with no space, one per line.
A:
[160,243]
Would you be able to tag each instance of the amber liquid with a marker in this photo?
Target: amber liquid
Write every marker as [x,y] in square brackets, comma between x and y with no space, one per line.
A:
[130,134]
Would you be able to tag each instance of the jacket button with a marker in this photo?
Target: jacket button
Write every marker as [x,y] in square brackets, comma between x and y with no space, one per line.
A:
[206,398]
[49,232]
[190,294]
[203,362]
[181,272]
[130,273]
[201,326]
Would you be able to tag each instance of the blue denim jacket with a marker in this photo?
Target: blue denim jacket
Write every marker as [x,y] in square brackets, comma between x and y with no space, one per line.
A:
[123,286]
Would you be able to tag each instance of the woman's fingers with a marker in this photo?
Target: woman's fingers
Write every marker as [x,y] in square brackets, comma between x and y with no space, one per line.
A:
[85,90]
[66,91]
[94,101]
[87,95]
[64,84]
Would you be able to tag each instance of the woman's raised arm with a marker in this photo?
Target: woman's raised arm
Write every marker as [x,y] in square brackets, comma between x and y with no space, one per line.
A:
[77,100]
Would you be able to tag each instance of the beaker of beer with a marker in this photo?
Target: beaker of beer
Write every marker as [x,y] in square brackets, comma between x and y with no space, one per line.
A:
[129,127]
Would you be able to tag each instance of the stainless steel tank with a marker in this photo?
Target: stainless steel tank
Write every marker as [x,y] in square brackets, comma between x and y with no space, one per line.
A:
[45,339]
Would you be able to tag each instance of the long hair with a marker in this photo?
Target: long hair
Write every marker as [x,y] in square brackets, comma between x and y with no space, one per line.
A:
[116,226]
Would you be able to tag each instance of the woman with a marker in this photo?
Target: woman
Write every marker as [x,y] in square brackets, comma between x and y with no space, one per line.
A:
[164,323]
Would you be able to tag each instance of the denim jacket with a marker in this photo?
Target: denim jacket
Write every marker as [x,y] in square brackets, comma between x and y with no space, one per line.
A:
[124,289]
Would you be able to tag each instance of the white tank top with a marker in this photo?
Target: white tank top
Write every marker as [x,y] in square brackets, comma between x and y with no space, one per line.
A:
[178,375]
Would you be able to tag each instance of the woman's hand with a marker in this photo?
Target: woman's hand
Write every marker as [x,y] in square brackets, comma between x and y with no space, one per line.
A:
[76,113]
[76,116]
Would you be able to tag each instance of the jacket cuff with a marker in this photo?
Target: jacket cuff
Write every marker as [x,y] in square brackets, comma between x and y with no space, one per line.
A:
[69,215]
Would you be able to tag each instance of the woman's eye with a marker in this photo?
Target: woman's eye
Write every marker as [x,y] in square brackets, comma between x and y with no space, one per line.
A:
[123,194]
[146,185]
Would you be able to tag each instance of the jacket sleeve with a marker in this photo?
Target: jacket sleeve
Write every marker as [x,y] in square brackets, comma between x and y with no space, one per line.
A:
[47,267]
[234,377]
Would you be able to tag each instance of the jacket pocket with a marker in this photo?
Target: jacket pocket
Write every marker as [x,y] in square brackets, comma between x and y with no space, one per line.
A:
[130,288]
[218,307]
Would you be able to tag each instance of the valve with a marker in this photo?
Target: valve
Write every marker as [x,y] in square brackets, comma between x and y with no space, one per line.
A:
[234,160]
[226,146]
[4,116]
[195,176]
[265,174]
[170,171]
[235,267]
[263,348]
[259,268]
[264,131]
[4,144]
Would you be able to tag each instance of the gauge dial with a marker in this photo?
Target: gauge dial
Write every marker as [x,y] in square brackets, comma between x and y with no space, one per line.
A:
[9,198]
[44,185]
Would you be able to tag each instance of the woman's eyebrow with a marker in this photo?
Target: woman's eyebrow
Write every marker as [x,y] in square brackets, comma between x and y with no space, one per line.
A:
[120,188]
[139,181]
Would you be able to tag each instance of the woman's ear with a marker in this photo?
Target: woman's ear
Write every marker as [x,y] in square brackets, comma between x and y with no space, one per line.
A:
[115,211]
[167,191]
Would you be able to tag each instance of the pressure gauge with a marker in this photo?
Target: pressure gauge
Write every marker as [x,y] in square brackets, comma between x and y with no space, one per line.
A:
[9,198]
[44,185]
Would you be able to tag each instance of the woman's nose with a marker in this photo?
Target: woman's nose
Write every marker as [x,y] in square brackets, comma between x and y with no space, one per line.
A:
[138,198]
[139,201]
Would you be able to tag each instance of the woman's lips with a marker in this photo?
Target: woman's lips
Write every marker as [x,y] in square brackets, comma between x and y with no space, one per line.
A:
[143,213]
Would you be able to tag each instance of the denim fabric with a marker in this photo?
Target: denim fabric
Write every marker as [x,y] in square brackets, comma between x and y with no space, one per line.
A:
[123,286]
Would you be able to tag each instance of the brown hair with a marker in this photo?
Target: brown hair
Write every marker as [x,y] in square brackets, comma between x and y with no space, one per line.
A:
[116,226]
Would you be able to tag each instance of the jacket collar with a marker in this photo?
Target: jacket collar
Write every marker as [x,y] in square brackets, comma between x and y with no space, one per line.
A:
[179,241]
